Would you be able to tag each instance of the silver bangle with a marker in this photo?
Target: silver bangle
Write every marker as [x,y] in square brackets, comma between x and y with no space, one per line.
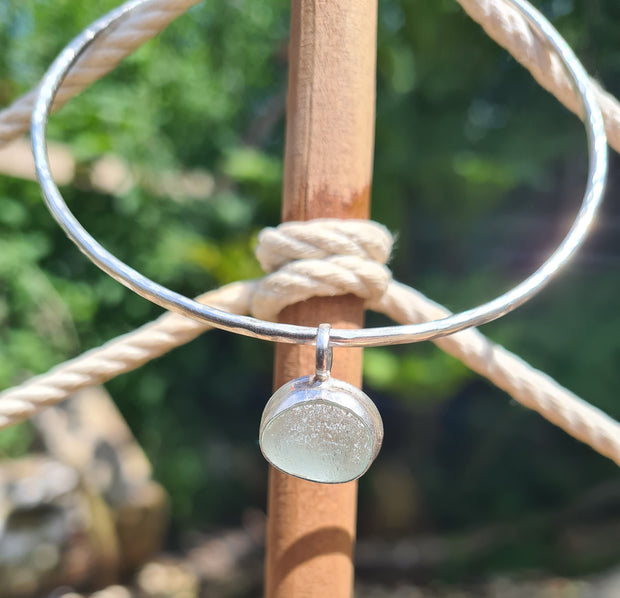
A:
[365,337]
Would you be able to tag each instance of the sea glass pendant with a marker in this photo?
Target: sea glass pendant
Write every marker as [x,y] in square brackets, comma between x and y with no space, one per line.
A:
[321,429]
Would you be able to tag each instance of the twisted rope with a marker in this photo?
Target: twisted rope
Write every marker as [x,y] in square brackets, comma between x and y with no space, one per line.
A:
[287,245]
[502,23]
[320,259]
[499,20]
[122,354]
[143,23]
[524,383]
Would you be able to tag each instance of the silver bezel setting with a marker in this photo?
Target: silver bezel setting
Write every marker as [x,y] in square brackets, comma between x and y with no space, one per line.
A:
[310,390]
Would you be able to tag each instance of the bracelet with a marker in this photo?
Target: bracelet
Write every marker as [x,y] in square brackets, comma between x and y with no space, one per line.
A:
[364,337]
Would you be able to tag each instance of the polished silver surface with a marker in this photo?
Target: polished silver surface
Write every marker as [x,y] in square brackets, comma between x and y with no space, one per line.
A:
[324,353]
[325,431]
[366,337]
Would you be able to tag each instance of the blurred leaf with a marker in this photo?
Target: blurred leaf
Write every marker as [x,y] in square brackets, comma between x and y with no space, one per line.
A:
[245,164]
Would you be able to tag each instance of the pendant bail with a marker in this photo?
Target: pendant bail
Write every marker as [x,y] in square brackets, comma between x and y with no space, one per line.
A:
[324,353]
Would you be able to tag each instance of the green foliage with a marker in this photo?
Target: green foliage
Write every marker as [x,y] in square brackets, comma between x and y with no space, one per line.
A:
[427,375]
[476,168]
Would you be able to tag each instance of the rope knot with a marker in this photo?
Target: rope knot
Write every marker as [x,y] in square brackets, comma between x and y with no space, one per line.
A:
[321,258]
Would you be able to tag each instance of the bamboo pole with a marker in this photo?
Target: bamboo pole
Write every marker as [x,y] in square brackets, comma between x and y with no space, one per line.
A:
[327,174]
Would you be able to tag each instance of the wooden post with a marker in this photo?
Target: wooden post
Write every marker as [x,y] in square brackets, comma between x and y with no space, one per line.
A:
[328,169]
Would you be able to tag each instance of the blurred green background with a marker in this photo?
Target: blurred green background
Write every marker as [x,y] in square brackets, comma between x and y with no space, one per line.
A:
[477,170]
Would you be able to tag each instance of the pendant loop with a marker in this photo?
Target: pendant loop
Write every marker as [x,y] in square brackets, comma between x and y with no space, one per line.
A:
[324,353]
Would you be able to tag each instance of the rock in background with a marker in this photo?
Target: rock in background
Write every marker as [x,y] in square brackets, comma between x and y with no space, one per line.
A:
[85,510]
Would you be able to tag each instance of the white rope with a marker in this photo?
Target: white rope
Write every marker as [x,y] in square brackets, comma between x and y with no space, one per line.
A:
[524,383]
[500,21]
[323,258]
[288,245]
[510,30]
[142,24]
[122,354]
[323,237]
